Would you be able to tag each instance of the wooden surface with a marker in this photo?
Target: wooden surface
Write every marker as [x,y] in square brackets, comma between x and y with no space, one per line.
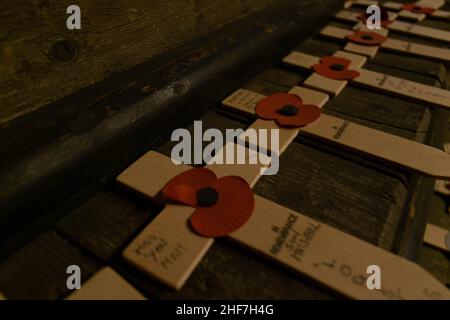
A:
[364,198]
[114,37]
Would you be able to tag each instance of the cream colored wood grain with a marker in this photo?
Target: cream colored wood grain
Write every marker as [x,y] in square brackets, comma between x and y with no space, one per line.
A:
[106,284]
[437,237]
[331,257]
[393,149]
[418,30]
[167,249]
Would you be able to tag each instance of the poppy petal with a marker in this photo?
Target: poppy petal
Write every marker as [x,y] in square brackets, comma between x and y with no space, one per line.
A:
[324,70]
[196,179]
[181,194]
[233,209]
[268,107]
[366,38]
[306,115]
[412,7]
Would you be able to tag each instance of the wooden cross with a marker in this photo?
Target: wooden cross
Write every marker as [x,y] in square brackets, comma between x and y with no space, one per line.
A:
[378,81]
[400,26]
[400,46]
[168,250]
[377,144]
[442,186]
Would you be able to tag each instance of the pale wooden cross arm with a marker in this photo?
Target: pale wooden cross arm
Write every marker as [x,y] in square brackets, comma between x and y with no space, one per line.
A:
[407,154]
[160,250]
[312,249]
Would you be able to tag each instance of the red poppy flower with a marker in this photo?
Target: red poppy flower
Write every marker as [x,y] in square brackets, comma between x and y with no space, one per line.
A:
[417,9]
[287,110]
[222,205]
[384,17]
[366,38]
[335,68]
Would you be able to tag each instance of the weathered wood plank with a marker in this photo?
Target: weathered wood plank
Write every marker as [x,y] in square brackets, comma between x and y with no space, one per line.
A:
[340,192]
[42,61]
[106,221]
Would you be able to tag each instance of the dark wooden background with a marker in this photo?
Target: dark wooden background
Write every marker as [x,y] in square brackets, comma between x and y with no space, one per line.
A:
[41,61]
[368,199]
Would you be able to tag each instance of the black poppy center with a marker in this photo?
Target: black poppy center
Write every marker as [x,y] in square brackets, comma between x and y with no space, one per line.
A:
[337,67]
[367,37]
[207,197]
[288,110]
[417,8]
